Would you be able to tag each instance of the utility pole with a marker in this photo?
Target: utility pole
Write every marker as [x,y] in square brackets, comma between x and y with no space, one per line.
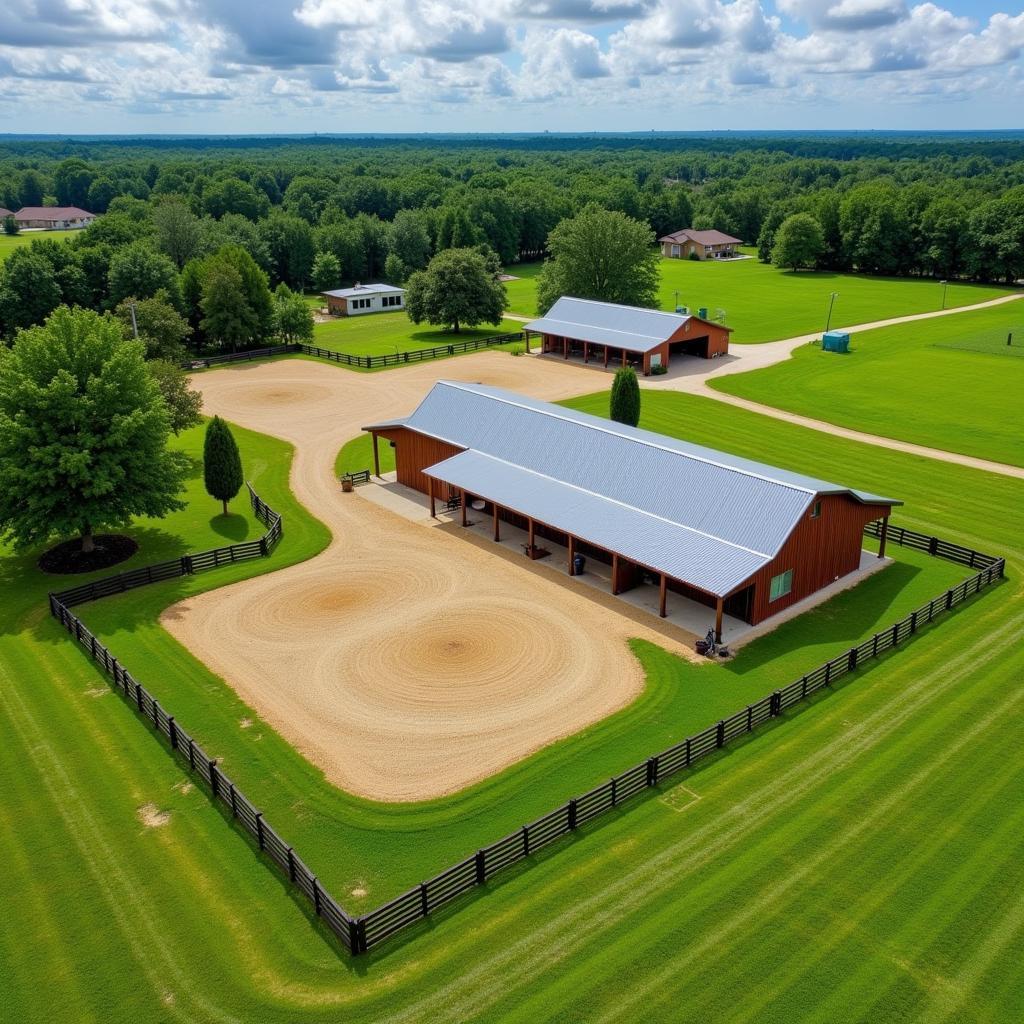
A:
[831,303]
[944,284]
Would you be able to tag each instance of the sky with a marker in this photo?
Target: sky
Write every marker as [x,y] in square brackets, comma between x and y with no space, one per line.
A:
[297,66]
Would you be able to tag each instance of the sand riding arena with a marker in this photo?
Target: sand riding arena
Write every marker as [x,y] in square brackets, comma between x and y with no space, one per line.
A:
[406,661]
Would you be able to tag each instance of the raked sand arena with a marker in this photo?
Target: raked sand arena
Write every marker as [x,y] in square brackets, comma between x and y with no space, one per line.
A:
[406,662]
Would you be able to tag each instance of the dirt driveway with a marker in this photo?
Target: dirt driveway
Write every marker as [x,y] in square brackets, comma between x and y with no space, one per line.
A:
[406,662]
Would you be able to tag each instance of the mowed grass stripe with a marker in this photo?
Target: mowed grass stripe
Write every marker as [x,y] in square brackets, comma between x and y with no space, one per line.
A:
[639,884]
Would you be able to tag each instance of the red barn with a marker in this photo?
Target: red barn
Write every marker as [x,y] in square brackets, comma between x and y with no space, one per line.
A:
[746,539]
[627,335]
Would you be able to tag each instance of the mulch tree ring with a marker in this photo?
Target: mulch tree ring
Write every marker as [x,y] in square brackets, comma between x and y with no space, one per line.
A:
[68,558]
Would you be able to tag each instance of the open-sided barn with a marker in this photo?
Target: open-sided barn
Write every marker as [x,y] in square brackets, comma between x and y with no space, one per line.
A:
[746,539]
[606,331]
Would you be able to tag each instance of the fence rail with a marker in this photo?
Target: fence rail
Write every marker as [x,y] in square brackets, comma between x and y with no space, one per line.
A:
[359,934]
[363,362]
[428,896]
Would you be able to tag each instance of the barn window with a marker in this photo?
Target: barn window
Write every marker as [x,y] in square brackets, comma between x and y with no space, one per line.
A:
[781,585]
[816,510]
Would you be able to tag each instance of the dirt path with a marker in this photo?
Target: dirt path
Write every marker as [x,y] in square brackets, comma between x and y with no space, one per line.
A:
[404,661]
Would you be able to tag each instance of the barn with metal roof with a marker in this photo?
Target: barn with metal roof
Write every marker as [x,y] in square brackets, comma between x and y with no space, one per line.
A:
[744,538]
[606,332]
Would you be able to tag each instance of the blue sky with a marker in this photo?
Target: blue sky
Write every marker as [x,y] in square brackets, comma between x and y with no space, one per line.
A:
[76,66]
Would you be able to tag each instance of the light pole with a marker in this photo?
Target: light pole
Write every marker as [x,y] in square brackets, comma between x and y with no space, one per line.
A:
[677,301]
[944,284]
[831,302]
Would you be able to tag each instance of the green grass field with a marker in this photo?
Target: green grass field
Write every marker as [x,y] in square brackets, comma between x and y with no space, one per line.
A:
[381,334]
[8,243]
[763,303]
[909,382]
[860,860]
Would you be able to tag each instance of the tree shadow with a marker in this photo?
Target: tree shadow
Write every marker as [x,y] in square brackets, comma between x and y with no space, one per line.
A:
[232,526]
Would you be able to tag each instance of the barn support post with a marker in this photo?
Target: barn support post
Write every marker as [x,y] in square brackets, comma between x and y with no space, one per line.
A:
[565,348]
[663,596]
[606,357]
[623,357]
[586,352]
[572,554]
[718,620]
[885,534]
[529,537]
[376,455]
[615,573]
[526,338]
[462,492]
[433,500]
[497,529]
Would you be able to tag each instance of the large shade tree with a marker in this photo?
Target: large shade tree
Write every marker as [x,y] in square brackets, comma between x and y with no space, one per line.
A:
[799,242]
[458,288]
[83,433]
[600,254]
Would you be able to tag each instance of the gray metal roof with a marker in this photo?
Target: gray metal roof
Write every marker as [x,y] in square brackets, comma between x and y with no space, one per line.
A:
[606,323]
[692,490]
[361,290]
[706,562]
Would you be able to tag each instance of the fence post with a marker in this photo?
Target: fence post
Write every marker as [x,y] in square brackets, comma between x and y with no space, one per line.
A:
[895,634]
[138,695]
[913,622]
[172,731]
[828,673]
[720,735]
[572,815]
[263,546]
[192,755]
[213,777]
[316,896]
[526,841]
[933,545]
[615,788]
[481,868]
[259,828]
[687,751]
[360,936]
[775,705]
[291,865]
[803,689]
[652,771]
[424,899]
[852,664]
[234,801]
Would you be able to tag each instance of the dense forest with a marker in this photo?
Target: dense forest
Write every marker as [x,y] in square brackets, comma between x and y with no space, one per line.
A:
[317,212]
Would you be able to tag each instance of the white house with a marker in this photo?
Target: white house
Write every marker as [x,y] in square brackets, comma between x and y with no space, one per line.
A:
[365,298]
[53,218]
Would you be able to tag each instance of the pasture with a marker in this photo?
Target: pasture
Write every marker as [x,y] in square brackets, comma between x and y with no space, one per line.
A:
[911,382]
[764,303]
[861,859]
[8,243]
[381,334]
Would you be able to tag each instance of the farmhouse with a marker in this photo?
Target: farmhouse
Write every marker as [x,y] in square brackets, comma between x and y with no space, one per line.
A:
[364,298]
[746,539]
[53,218]
[626,335]
[5,213]
[705,245]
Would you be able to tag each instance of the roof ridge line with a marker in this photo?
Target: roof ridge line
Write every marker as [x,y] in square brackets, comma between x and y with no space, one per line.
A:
[617,305]
[465,386]
[614,501]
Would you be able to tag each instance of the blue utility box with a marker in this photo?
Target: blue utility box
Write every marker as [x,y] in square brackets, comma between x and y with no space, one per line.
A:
[835,341]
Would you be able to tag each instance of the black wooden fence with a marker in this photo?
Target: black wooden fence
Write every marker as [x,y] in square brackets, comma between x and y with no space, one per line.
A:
[363,362]
[364,933]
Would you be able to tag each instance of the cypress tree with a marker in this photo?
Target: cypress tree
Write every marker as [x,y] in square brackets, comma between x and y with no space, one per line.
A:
[222,464]
[625,402]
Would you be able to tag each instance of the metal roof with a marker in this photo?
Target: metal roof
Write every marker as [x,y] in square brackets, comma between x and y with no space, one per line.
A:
[363,289]
[51,213]
[607,323]
[694,491]
[705,562]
